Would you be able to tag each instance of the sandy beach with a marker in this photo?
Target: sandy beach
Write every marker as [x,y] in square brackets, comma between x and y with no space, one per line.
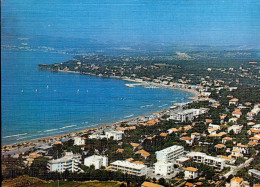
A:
[19,147]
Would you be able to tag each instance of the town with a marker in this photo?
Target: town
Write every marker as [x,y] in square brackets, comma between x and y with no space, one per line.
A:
[212,140]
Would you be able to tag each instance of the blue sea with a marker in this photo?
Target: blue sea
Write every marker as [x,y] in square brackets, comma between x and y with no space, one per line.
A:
[38,103]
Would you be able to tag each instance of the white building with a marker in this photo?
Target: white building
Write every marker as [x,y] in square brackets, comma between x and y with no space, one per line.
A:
[255,173]
[195,135]
[163,168]
[169,153]
[128,167]
[96,161]
[189,114]
[200,157]
[190,173]
[117,135]
[236,128]
[79,140]
[69,162]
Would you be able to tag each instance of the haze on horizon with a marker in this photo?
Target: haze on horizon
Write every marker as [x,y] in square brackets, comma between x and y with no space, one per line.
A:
[206,22]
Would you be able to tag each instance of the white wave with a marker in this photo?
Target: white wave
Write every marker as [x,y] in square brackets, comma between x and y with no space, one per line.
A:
[50,130]
[149,105]
[142,106]
[129,116]
[65,127]
[15,135]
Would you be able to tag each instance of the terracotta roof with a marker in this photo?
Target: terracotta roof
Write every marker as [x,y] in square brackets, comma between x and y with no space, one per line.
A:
[191,169]
[35,155]
[120,150]
[220,146]
[208,120]
[225,157]
[189,184]
[253,143]
[257,185]
[254,138]
[129,159]
[174,129]
[195,133]
[144,153]
[254,130]
[237,179]
[213,129]
[199,183]
[138,162]
[221,134]
[234,100]
[134,144]
[149,184]
[241,145]
[227,138]
[164,134]
[237,112]
[186,138]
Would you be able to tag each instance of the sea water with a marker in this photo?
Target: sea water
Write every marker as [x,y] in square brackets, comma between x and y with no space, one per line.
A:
[38,103]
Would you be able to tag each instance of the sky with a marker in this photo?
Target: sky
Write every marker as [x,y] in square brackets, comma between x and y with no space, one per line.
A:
[212,22]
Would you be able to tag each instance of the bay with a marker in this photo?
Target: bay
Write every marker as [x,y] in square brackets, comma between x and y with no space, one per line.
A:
[38,103]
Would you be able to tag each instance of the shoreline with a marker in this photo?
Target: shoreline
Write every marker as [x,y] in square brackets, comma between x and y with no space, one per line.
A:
[101,126]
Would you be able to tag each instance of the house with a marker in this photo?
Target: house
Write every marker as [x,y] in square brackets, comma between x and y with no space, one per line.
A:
[169,153]
[208,121]
[128,167]
[143,153]
[120,150]
[233,101]
[195,135]
[79,140]
[172,130]
[150,184]
[187,139]
[226,139]
[236,129]
[213,130]
[200,157]
[164,135]
[233,120]
[254,173]
[134,145]
[237,182]
[236,153]
[211,126]
[255,139]
[163,168]
[69,162]
[97,161]
[237,114]
[244,149]
[191,173]
[220,146]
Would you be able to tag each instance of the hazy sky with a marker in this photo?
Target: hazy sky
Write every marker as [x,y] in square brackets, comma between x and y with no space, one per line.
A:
[174,21]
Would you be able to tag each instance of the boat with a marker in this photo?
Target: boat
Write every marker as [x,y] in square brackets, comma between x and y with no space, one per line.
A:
[130,85]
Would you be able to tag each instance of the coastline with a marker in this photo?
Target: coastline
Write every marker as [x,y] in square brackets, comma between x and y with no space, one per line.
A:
[45,140]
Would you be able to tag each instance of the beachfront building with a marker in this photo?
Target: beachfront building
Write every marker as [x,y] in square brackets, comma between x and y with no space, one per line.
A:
[190,173]
[79,140]
[116,135]
[128,167]
[69,162]
[188,115]
[200,157]
[96,161]
[169,154]
[237,182]
[163,168]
